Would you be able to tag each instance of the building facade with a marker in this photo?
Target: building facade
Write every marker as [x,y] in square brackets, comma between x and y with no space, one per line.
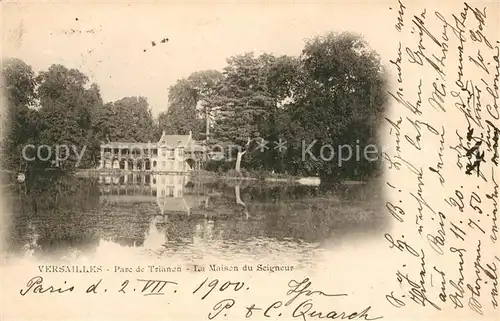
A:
[172,153]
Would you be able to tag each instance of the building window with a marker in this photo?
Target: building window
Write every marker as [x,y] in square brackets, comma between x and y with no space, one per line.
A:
[163,164]
[170,154]
[181,152]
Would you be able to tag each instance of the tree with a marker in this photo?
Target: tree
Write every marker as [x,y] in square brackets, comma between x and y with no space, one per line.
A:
[243,102]
[188,109]
[285,82]
[19,82]
[342,100]
[20,117]
[128,119]
[68,111]
[334,93]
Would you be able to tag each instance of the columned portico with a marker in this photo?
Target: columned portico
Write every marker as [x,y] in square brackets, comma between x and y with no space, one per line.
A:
[172,153]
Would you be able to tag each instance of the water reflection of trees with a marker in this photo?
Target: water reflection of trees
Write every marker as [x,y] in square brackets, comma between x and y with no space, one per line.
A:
[300,212]
[52,213]
[293,211]
[66,213]
[285,212]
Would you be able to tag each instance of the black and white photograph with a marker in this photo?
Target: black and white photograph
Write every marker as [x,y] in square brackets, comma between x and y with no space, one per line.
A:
[254,150]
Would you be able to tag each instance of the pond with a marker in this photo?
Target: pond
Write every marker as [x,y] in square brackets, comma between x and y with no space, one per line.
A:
[186,217]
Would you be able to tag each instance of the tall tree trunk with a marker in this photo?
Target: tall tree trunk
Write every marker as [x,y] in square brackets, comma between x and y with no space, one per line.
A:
[238,160]
[207,124]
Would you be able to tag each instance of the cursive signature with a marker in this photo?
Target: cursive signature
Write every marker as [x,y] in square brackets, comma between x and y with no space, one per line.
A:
[306,310]
[298,289]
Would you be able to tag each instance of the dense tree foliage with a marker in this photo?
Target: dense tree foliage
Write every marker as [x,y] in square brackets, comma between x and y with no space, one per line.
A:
[19,119]
[341,101]
[67,112]
[333,93]
[127,120]
[59,107]
[187,106]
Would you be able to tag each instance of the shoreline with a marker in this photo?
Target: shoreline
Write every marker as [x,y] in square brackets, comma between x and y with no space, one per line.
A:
[200,174]
[203,174]
[304,180]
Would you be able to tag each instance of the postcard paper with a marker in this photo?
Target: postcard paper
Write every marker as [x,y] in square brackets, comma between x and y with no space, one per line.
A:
[250,160]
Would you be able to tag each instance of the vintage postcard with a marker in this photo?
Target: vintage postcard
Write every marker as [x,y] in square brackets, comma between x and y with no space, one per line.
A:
[258,160]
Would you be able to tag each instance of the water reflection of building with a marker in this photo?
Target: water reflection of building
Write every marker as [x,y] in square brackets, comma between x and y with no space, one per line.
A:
[172,193]
[169,213]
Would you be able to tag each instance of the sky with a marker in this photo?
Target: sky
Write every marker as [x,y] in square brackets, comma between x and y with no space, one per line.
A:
[111,42]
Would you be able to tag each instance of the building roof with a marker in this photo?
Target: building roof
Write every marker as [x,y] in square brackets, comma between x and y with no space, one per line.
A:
[127,145]
[170,141]
[174,140]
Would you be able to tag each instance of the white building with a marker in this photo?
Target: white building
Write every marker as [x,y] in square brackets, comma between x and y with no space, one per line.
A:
[172,153]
